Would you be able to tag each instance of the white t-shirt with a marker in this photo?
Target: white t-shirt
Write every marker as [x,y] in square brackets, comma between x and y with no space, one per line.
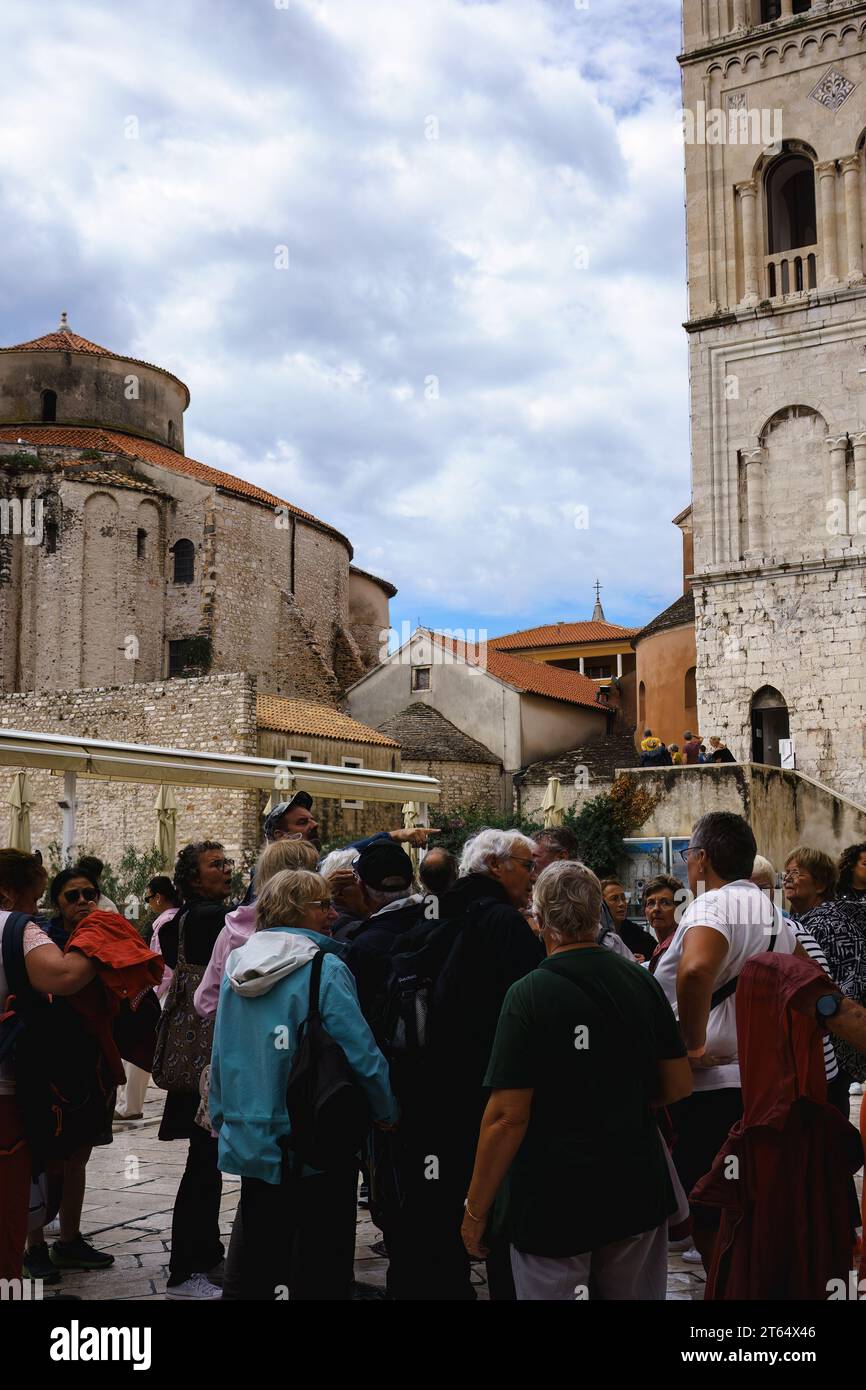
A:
[34,937]
[745,917]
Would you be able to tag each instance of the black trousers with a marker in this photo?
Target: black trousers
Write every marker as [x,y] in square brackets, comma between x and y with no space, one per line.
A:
[298,1237]
[195,1224]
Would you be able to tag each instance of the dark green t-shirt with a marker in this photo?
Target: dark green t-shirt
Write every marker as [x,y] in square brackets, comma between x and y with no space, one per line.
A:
[585,1031]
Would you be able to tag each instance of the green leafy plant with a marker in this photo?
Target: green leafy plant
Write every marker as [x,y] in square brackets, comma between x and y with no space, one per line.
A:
[602,823]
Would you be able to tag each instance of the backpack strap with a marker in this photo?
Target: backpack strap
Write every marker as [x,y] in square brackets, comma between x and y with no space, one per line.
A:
[315,980]
[725,991]
[13,957]
[181,944]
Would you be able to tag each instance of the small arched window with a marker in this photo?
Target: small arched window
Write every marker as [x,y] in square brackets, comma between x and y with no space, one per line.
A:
[641,704]
[184,562]
[791,220]
[772,9]
[691,689]
[49,407]
[50,537]
[140,543]
[171,431]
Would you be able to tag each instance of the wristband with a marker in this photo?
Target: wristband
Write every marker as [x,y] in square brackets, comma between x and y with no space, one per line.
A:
[471,1214]
[696,1052]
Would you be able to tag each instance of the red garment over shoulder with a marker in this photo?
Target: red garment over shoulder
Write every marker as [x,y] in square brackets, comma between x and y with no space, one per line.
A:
[126,970]
[783,1178]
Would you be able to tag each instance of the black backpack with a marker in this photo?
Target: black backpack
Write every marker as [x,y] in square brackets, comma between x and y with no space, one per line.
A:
[405,1024]
[328,1110]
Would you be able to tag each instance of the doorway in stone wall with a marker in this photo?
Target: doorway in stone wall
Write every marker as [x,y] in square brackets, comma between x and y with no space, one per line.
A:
[770,723]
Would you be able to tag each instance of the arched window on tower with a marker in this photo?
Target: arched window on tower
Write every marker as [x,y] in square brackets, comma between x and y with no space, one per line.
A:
[791,226]
[690,692]
[641,708]
[171,432]
[772,9]
[184,562]
[49,407]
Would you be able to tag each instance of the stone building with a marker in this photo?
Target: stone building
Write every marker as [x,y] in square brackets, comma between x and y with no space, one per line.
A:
[774,164]
[142,563]
[469,774]
[146,597]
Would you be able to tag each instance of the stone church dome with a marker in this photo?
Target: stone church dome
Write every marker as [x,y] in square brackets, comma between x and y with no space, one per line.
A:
[65,379]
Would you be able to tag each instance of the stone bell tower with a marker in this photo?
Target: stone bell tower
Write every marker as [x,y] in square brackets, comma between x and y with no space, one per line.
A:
[774,106]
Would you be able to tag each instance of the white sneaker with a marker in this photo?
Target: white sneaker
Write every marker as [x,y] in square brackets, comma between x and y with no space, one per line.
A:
[692,1257]
[196,1286]
[856,1088]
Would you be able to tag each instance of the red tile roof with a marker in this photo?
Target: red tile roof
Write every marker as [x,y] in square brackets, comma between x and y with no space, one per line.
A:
[561,635]
[113,442]
[529,677]
[317,721]
[64,340]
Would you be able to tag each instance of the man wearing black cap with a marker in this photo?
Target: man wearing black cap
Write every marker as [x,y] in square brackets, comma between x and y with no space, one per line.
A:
[385,874]
[291,820]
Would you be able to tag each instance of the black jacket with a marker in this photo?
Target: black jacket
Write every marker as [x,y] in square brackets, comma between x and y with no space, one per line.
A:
[371,942]
[495,947]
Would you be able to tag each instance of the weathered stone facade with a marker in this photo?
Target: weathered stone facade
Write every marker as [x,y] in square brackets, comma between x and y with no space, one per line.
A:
[213,714]
[470,775]
[778,345]
[145,563]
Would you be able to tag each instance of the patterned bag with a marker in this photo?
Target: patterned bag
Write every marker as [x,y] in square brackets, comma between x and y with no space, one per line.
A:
[184,1039]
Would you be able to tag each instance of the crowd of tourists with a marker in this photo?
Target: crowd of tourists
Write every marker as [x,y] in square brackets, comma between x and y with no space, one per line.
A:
[655,753]
[492,1055]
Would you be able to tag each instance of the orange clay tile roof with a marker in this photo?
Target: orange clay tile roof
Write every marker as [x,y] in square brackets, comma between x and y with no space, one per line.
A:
[320,721]
[113,442]
[64,340]
[529,677]
[561,635]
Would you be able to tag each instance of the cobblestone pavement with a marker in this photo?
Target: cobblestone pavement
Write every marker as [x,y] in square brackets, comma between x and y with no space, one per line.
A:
[131,1186]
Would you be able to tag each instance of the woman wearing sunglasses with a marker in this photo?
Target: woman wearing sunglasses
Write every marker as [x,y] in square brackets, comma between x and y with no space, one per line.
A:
[74,894]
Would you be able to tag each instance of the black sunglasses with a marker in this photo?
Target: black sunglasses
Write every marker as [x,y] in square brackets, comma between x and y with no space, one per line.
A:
[73,894]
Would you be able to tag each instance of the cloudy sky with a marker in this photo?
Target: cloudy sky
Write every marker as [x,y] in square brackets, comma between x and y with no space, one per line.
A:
[420,262]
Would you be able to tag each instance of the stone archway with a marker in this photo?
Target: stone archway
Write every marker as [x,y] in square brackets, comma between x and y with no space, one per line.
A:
[770,723]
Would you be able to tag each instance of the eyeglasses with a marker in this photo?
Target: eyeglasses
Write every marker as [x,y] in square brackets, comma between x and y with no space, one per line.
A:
[222,864]
[323,903]
[72,895]
[149,897]
[525,863]
[689,849]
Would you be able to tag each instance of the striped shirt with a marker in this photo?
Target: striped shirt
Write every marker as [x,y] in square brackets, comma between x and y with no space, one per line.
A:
[812,949]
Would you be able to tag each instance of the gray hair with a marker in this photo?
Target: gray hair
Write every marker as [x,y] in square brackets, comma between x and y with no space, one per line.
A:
[285,899]
[491,844]
[337,861]
[763,869]
[567,901]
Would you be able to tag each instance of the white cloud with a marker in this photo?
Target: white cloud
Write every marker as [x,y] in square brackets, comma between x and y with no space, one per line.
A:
[410,258]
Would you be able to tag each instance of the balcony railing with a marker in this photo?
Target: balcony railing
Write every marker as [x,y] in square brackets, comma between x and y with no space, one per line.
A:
[792,272]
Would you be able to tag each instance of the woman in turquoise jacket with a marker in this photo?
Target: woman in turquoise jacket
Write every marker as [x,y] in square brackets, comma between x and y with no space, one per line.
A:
[298,1233]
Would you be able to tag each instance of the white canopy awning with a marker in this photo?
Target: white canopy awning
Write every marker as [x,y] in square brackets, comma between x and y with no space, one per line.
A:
[186,767]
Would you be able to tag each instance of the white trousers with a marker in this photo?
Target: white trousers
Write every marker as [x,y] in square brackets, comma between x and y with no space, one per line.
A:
[631,1269]
[130,1098]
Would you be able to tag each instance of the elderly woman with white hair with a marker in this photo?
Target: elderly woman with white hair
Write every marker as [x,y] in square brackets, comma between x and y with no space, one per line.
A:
[586,1049]
[480,945]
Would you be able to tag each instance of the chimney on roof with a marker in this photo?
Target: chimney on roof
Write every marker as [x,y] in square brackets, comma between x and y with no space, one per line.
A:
[598,611]
[63,326]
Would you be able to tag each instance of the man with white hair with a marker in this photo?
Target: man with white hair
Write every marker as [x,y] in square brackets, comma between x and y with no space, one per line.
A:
[480,946]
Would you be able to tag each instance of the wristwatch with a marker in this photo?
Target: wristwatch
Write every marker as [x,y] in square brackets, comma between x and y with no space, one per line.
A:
[827,1006]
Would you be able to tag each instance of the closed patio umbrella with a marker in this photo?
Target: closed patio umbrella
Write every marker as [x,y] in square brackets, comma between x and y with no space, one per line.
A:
[410,822]
[553,806]
[166,826]
[20,801]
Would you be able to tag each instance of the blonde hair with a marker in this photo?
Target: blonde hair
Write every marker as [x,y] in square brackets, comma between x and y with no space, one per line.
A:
[286,897]
[282,854]
[762,868]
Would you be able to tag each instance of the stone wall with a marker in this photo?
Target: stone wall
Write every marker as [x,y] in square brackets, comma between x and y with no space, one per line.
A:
[211,714]
[783,808]
[463,784]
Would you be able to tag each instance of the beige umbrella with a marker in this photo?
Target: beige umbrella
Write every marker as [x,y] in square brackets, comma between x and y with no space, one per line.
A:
[553,806]
[166,826]
[410,822]
[20,800]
